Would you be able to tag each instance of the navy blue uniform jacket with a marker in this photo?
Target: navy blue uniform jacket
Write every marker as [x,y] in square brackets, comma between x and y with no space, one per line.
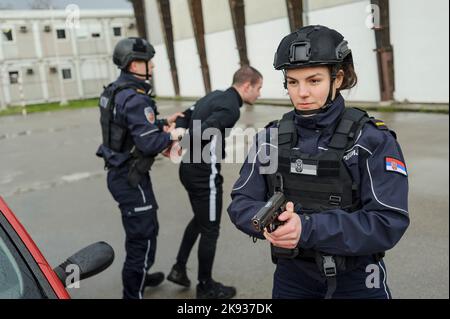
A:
[138,113]
[383,218]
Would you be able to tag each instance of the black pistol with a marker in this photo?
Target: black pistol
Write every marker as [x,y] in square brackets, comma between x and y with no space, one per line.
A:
[267,217]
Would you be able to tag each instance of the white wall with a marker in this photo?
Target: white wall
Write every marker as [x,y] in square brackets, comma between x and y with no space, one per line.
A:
[417,24]
[350,21]
[188,65]
[223,58]
[262,42]
[162,79]
[419,31]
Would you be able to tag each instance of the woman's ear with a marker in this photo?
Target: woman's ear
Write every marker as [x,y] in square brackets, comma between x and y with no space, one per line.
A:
[339,79]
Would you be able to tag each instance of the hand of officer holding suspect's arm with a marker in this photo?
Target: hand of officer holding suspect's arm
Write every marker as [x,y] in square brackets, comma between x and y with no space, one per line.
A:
[167,124]
[288,234]
[171,119]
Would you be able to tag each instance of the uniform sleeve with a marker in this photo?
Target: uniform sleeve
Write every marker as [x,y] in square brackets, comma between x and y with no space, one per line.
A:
[249,192]
[142,123]
[223,116]
[383,219]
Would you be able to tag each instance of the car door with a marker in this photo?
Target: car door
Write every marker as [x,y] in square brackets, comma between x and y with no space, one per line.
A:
[24,272]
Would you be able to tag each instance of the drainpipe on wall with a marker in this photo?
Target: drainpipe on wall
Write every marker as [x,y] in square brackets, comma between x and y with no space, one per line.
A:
[195,8]
[139,13]
[237,8]
[166,26]
[295,14]
[385,51]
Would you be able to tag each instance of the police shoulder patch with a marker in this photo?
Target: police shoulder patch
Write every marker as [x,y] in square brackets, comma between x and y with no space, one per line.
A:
[394,165]
[150,115]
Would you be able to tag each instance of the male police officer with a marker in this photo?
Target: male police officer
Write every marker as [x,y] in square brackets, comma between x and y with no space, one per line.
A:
[132,137]
[200,175]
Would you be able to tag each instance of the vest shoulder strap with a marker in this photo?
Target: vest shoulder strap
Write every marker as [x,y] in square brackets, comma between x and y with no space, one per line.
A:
[272,124]
[287,133]
[346,132]
[379,124]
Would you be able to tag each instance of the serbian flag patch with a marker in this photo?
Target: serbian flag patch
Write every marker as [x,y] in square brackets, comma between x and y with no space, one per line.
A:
[394,165]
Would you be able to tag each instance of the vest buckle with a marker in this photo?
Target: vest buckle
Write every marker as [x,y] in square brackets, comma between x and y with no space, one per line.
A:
[329,266]
[335,200]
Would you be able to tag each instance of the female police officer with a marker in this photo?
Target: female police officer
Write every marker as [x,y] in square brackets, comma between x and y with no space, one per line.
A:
[342,173]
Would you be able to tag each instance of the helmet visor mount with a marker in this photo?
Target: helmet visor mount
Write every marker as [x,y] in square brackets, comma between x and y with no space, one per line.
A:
[139,46]
[300,52]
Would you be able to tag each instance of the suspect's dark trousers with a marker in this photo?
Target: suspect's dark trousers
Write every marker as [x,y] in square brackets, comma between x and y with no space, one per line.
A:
[295,279]
[203,183]
[139,219]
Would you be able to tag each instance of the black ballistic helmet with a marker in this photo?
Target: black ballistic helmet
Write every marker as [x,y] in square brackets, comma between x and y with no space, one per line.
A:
[132,49]
[311,46]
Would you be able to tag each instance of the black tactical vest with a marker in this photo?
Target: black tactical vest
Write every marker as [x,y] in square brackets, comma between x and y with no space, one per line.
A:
[115,136]
[318,182]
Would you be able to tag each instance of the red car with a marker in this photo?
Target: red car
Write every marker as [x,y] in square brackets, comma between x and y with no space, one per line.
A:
[24,272]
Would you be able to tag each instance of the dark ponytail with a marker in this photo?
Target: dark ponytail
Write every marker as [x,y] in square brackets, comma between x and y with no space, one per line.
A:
[350,78]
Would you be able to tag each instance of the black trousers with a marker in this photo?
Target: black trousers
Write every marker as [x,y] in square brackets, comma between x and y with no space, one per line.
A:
[296,279]
[139,218]
[203,183]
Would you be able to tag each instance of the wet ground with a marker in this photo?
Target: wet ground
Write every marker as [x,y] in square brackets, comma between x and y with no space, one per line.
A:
[52,180]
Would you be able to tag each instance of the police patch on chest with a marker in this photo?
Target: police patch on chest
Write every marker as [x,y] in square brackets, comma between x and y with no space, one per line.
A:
[149,115]
[303,167]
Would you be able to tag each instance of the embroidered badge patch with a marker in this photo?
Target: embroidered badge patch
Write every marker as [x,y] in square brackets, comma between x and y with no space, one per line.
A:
[394,165]
[149,115]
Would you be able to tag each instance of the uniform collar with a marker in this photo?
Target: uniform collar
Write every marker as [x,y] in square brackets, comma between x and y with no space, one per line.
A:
[140,84]
[322,120]
[232,89]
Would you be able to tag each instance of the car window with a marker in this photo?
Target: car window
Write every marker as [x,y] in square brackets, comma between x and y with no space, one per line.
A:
[16,279]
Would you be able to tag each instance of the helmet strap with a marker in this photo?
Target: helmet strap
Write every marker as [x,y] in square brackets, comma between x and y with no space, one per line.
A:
[147,76]
[329,101]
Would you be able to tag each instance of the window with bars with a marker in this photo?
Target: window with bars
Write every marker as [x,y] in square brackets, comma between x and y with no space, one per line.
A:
[117,31]
[66,74]
[61,34]
[14,77]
